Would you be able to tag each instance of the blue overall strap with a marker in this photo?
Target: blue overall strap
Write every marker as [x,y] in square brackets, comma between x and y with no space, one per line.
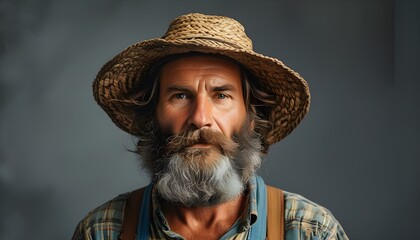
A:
[144,216]
[259,228]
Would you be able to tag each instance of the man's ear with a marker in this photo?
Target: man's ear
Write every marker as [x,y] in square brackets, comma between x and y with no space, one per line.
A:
[252,125]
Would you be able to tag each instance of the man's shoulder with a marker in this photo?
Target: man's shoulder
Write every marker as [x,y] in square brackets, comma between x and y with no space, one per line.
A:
[305,216]
[111,210]
[297,206]
[105,218]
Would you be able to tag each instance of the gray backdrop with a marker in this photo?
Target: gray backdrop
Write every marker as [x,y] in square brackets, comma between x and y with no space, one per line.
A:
[356,152]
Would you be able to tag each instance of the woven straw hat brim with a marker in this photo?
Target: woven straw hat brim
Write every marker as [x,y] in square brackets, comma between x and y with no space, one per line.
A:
[121,77]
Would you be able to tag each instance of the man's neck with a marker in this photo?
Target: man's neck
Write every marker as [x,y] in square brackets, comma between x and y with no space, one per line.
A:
[204,222]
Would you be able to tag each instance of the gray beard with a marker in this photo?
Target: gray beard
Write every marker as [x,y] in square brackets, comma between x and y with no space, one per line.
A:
[188,183]
[182,184]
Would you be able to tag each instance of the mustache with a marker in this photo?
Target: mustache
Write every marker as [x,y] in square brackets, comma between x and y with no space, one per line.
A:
[180,142]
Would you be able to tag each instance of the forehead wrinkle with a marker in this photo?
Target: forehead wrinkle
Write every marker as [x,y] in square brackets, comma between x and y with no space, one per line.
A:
[197,72]
[210,81]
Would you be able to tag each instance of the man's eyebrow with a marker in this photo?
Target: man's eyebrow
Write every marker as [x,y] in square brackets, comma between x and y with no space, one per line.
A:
[174,88]
[225,87]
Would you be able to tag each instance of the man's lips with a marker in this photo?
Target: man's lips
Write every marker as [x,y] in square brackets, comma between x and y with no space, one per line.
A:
[201,145]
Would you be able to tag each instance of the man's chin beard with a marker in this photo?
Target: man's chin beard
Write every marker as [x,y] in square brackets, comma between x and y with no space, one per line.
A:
[199,177]
[187,184]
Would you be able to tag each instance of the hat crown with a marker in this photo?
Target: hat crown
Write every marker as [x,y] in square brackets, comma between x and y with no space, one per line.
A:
[221,29]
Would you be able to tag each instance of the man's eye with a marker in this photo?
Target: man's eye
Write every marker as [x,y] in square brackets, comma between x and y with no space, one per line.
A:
[180,96]
[221,96]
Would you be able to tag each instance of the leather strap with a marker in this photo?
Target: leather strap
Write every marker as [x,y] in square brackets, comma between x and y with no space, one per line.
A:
[131,215]
[275,213]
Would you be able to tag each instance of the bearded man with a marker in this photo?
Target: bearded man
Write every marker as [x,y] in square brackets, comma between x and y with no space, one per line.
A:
[205,108]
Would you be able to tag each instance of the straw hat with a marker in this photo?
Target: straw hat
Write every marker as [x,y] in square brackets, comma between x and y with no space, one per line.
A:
[121,76]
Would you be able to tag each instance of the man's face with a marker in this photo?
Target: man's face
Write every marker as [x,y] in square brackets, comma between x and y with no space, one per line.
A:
[203,150]
[201,92]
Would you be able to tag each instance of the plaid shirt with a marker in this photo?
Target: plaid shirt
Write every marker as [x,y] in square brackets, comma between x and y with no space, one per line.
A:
[303,220]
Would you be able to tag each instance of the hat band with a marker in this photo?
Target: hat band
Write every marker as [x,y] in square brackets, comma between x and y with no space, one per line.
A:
[236,46]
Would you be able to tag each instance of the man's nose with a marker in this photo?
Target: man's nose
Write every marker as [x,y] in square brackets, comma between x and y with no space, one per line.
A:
[201,113]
